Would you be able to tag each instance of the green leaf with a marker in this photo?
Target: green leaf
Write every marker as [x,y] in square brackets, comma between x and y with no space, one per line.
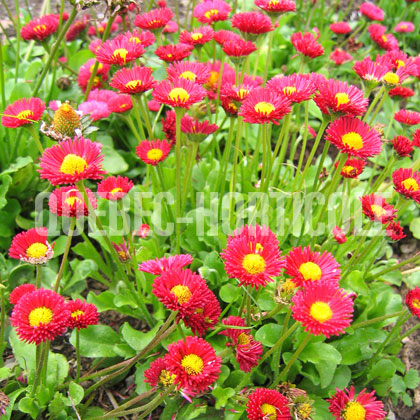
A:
[222,395]
[5,181]
[29,406]
[76,392]
[4,373]
[384,369]
[269,334]
[136,339]
[354,282]
[80,58]
[415,227]
[229,292]
[412,378]
[104,301]
[113,162]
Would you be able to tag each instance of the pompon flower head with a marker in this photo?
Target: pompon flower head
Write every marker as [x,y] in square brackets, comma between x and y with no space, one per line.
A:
[136,80]
[72,160]
[69,202]
[370,71]
[323,308]
[19,291]
[401,92]
[158,375]
[372,11]
[352,168]
[337,97]
[120,104]
[407,117]
[404,27]
[377,209]
[180,93]
[296,87]
[143,37]
[237,49]
[305,267]
[119,51]
[114,188]
[152,152]
[82,314]
[402,146]
[252,256]
[193,71]
[262,106]
[264,403]
[194,362]
[40,316]
[340,56]
[252,24]
[345,405]
[306,44]
[171,53]
[395,231]
[23,111]
[339,235]
[32,246]
[39,29]
[407,183]
[211,11]
[412,300]
[275,7]
[155,20]
[195,130]
[197,37]
[351,135]
[160,265]
[340,27]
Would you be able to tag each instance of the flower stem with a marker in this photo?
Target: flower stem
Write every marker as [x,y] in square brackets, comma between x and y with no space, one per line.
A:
[138,119]
[77,355]
[38,276]
[145,115]
[35,136]
[374,102]
[179,112]
[43,347]
[188,172]
[377,319]
[396,266]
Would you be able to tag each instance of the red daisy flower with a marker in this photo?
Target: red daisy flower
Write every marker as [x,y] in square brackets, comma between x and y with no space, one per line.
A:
[296,87]
[122,250]
[119,51]
[340,56]
[20,291]
[412,300]
[171,27]
[307,267]
[39,29]
[143,37]
[401,92]
[237,48]
[407,117]
[386,41]
[229,107]
[76,29]
[393,79]
[407,182]
[169,126]
[345,405]
[197,37]
[223,36]
[171,53]
[275,7]
[155,20]
[306,44]
[95,45]
[72,160]
[371,11]
[143,232]
[85,72]
[402,146]
[40,316]
[197,131]
[82,314]
[352,168]
[237,93]
[323,308]
[160,265]
[211,11]
[404,27]
[252,24]
[416,138]
[370,71]
[180,93]
[395,231]
[340,27]
[23,111]
[152,152]
[69,202]
[336,96]
[269,404]
[397,59]
[114,188]
[377,209]
[158,374]
[252,256]
[339,235]
[194,362]
[135,80]
[120,104]
[96,110]
[153,105]
[354,137]
[32,246]
[194,71]
[262,106]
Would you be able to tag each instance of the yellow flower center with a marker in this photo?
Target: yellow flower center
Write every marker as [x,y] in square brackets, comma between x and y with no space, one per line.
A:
[73,164]
[243,92]
[133,84]
[77,314]
[100,67]
[352,140]
[321,312]
[253,264]
[400,63]
[384,38]
[179,94]
[310,271]
[264,108]
[403,27]
[41,315]
[116,190]
[354,411]
[71,201]
[182,293]
[154,154]
[289,90]
[134,39]
[349,170]
[273,3]
[210,13]
[410,184]
[39,28]
[192,364]
[189,75]
[269,411]
[259,247]
[36,250]
[196,36]
[305,410]
[342,98]
[288,286]
[24,115]
[378,211]
[121,52]
[166,378]
[96,81]
[416,303]
[391,78]
[214,77]
[243,338]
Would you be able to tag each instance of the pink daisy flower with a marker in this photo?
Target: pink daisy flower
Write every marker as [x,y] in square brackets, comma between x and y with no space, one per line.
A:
[296,87]
[82,314]
[136,80]
[402,146]
[69,202]
[172,53]
[193,71]
[252,24]
[119,51]
[19,291]
[372,11]
[155,20]
[143,37]
[407,182]
[412,300]
[339,235]
[275,7]
[23,111]
[395,231]
[197,131]
[264,403]
[377,209]
[114,188]
[340,56]
[211,11]
[158,374]
[152,152]
[306,44]
[340,27]
[404,116]
[197,37]
[39,29]
[404,27]
[160,265]
[352,168]
[120,104]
